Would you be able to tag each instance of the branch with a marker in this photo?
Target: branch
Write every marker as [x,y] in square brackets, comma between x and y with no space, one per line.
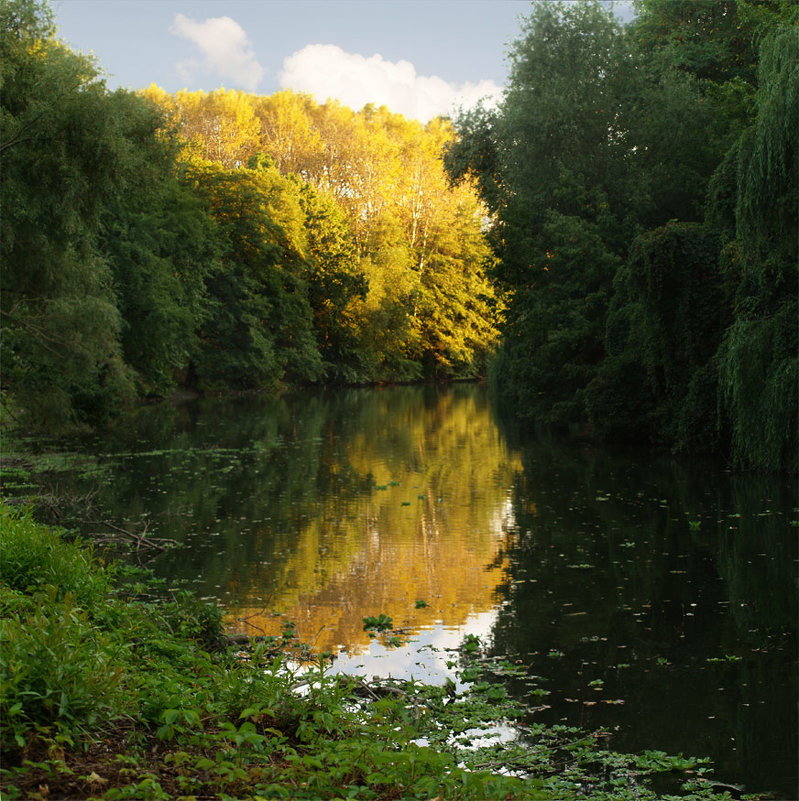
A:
[141,540]
[36,332]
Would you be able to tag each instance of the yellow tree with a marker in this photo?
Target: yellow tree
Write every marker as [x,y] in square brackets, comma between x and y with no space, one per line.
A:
[220,124]
[287,132]
[424,188]
[422,297]
[457,310]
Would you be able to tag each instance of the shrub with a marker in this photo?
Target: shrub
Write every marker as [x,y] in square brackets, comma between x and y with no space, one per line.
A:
[192,618]
[35,556]
[55,668]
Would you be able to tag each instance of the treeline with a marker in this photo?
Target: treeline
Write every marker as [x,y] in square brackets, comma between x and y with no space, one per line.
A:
[219,240]
[637,185]
[642,182]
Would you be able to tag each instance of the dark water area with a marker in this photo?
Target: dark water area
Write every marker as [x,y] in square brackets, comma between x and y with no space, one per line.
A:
[651,595]
[658,597]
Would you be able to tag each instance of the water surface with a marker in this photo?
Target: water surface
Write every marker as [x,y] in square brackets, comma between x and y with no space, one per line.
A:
[651,595]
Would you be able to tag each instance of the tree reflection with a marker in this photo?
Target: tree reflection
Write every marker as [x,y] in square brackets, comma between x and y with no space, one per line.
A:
[658,599]
[422,520]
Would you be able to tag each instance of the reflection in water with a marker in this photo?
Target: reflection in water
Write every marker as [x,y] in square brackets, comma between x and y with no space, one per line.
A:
[660,600]
[654,597]
[329,508]
[426,525]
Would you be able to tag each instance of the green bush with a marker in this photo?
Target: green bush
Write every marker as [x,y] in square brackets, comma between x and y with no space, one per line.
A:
[55,668]
[35,556]
[195,619]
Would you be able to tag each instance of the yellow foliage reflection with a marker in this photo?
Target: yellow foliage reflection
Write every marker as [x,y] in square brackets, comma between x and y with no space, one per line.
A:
[429,527]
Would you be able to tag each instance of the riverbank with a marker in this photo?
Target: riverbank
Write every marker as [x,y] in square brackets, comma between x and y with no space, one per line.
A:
[115,686]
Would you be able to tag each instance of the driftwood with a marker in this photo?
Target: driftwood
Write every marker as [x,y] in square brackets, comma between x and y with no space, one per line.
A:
[378,689]
[734,790]
[142,540]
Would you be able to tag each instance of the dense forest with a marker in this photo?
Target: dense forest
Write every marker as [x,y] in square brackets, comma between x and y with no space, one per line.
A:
[615,243]
[220,240]
[642,182]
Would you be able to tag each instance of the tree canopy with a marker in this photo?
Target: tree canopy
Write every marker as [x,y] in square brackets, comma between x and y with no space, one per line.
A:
[219,240]
[615,243]
[643,184]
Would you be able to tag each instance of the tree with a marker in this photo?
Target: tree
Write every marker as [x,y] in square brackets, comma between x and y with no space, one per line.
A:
[696,79]
[159,244]
[258,325]
[288,134]
[759,357]
[376,202]
[60,145]
[457,304]
[221,125]
[336,288]
[710,39]
[666,320]
[635,303]
[551,167]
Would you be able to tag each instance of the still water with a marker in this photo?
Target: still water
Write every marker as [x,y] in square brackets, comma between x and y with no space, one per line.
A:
[652,596]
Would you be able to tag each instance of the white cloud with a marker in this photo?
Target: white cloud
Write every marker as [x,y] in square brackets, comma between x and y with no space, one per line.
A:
[326,71]
[226,49]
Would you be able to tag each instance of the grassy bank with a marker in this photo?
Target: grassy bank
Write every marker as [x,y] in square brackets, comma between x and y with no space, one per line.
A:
[114,687]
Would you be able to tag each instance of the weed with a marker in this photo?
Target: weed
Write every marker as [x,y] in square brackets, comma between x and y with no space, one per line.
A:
[55,670]
[381,623]
[35,556]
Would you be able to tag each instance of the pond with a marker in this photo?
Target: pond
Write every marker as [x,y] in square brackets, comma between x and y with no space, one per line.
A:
[650,595]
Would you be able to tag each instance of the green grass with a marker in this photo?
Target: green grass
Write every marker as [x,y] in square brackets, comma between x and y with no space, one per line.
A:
[114,688]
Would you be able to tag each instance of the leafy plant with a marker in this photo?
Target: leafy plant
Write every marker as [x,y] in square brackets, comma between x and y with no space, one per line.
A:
[471,644]
[381,623]
[35,556]
[56,669]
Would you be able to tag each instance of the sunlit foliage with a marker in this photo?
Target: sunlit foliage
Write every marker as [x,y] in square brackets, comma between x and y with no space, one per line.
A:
[407,231]
[220,240]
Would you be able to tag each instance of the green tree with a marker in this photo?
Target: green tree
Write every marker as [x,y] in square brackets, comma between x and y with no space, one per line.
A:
[666,320]
[258,323]
[710,39]
[696,79]
[61,143]
[633,303]
[551,165]
[394,288]
[336,288]
[758,357]
[159,243]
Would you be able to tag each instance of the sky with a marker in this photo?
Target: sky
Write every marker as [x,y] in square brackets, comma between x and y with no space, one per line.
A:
[420,58]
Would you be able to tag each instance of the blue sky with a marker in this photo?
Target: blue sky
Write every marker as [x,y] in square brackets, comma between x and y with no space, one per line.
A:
[419,57]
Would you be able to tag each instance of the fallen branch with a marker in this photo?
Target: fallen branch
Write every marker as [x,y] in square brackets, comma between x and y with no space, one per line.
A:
[141,540]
